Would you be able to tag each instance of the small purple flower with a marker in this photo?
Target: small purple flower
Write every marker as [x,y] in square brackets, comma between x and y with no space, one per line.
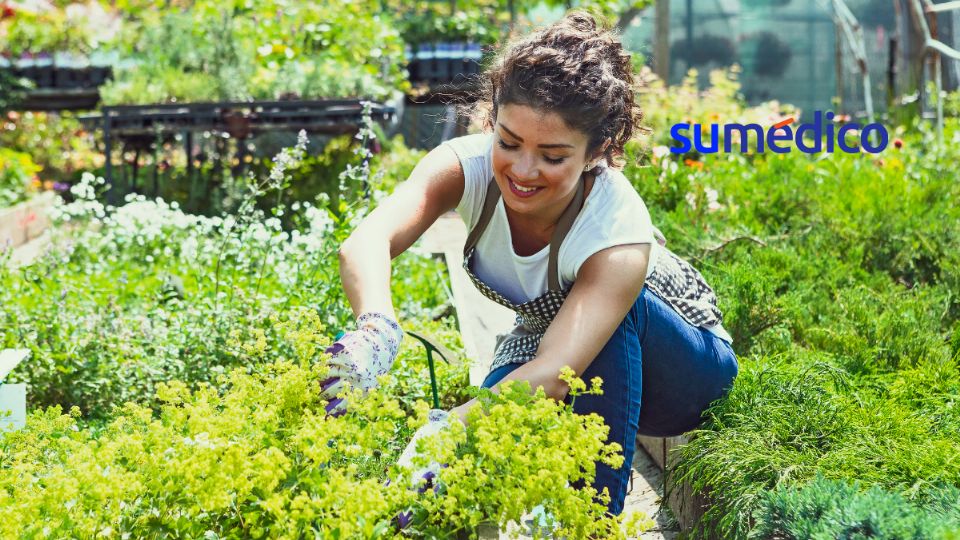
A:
[60,187]
[428,478]
[403,519]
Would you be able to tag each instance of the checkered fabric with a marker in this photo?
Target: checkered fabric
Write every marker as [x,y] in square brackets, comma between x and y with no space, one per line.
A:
[533,318]
[683,288]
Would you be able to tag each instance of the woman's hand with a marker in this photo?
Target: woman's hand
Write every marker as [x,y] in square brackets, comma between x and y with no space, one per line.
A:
[359,357]
[438,420]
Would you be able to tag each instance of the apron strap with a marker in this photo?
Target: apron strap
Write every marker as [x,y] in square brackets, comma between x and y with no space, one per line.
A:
[560,232]
[489,205]
[564,225]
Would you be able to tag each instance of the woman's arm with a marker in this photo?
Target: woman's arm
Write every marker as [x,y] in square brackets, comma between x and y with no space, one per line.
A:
[607,286]
[434,187]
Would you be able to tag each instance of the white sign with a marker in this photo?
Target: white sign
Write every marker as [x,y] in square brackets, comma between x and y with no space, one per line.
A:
[9,358]
[13,406]
[13,397]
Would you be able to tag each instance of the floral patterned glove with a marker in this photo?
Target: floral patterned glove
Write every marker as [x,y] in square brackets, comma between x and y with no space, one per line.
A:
[425,477]
[359,357]
[438,420]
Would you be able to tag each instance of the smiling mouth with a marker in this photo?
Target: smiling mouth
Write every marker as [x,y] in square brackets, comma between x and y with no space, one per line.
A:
[522,191]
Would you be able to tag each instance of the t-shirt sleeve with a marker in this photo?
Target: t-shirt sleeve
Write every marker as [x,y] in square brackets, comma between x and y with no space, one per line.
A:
[475,159]
[617,218]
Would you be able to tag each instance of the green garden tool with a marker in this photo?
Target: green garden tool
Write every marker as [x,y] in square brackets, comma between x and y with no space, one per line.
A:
[432,346]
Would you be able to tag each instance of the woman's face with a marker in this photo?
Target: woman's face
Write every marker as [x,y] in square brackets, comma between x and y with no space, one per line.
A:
[537,160]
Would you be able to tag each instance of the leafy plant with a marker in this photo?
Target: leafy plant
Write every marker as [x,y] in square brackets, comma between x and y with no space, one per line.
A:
[834,509]
[17,177]
[835,273]
[259,458]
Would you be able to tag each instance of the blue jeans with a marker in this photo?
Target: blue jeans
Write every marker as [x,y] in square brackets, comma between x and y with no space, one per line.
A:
[659,374]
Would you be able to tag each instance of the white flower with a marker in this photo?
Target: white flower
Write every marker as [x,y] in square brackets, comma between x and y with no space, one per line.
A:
[712,198]
[660,151]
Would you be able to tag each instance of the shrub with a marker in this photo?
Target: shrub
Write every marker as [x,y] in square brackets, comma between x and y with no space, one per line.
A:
[835,509]
[258,458]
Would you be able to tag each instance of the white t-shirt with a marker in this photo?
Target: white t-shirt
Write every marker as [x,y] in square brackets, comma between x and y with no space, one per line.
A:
[613,214]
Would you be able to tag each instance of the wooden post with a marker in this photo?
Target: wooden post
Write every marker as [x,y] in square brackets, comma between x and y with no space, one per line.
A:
[661,46]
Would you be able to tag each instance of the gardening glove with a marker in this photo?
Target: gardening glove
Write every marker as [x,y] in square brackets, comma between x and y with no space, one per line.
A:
[425,477]
[359,357]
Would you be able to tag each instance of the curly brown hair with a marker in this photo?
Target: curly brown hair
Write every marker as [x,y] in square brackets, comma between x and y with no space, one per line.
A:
[573,68]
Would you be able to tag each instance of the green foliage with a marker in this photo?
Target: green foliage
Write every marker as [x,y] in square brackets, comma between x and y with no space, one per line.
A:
[271,50]
[834,509]
[54,141]
[144,293]
[790,418]
[836,274]
[429,24]
[12,90]
[48,28]
[17,172]
[395,162]
[951,104]
[259,458]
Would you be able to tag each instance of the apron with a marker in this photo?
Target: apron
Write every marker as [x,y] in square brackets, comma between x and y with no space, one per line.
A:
[674,280]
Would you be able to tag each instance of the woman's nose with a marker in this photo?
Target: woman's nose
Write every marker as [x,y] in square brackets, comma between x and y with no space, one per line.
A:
[524,169]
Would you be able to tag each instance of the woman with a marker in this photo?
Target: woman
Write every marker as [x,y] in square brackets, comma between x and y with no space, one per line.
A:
[559,236]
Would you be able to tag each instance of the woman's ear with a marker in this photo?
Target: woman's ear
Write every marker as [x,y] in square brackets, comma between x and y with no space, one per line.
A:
[599,153]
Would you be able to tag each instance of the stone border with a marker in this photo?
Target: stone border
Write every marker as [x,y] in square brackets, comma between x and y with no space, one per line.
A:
[25,221]
[687,506]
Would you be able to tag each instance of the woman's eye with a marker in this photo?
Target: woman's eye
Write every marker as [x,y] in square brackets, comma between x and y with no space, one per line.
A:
[506,146]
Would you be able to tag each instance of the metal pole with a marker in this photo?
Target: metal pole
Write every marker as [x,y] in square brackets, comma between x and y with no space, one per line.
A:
[838,62]
[937,79]
[661,47]
[107,153]
[892,73]
[689,34]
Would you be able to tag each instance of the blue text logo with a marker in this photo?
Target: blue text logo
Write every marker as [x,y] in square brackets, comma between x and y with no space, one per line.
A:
[820,131]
